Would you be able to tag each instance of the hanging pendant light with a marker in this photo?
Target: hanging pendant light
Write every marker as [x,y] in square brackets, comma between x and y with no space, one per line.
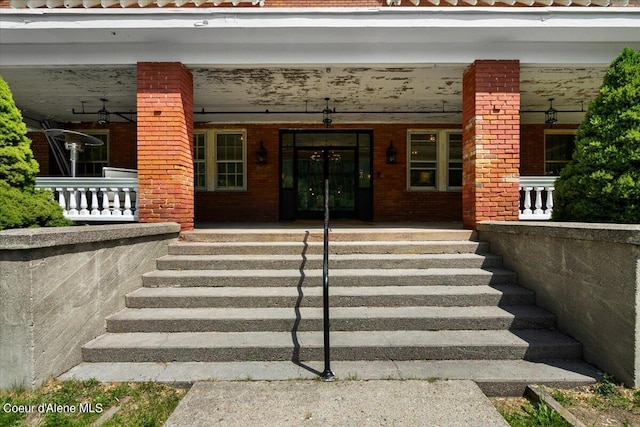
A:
[551,115]
[326,114]
[103,114]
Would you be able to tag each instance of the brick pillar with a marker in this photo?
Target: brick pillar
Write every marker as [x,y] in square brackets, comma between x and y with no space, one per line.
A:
[491,142]
[165,143]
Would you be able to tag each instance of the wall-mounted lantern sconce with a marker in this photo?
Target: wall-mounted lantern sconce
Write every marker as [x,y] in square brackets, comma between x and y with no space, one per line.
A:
[261,154]
[391,154]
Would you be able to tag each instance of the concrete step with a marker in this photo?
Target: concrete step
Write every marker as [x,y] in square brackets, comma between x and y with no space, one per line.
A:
[315,233]
[337,277]
[354,296]
[495,377]
[359,261]
[335,248]
[367,345]
[342,319]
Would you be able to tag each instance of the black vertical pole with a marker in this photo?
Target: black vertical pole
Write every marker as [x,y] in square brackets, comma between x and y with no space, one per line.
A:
[327,375]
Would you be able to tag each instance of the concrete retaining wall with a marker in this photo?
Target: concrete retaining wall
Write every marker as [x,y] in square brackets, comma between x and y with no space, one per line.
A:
[588,275]
[57,285]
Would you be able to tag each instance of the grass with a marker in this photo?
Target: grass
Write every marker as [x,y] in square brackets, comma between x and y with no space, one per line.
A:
[603,403]
[80,403]
[535,416]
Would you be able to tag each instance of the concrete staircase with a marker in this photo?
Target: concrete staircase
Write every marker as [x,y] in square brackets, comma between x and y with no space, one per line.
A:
[405,303]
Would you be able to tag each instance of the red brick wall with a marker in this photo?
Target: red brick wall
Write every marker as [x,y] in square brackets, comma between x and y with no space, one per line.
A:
[122,146]
[122,142]
[491,141]
[532,147]
[392,202]
[260,203]
[40,149]
[165,143]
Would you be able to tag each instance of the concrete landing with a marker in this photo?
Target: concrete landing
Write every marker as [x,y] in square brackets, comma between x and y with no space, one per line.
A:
[341,403]
[494,377]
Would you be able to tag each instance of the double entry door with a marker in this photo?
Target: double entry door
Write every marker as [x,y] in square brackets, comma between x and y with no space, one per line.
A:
[309,159]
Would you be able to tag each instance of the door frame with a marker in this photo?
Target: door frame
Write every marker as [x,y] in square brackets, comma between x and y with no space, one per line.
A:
[363,203]
[309,214]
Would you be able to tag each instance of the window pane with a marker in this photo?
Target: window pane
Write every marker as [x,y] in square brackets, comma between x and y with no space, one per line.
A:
[287,164]
[454,175]
[558,151]
[200,180]
[93,158]
[423,156]
[423,151]
[455,146]
[423,178]
[364,171]
[559,147]
[230,160]
[199,160]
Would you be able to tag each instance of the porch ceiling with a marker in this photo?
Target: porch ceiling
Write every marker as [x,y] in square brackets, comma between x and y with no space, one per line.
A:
[355,92]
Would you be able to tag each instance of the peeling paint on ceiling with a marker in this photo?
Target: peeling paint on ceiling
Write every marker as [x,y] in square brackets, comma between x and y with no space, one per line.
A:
[52,93]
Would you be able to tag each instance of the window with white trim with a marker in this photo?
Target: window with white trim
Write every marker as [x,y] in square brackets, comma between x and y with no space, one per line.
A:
[200,160]
[220,160]
[92,159]
[423,159]
[454,161]
[434,160]
[230,160]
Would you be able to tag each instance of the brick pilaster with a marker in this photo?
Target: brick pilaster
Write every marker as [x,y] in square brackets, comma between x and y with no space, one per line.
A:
[165,143]
[491,141]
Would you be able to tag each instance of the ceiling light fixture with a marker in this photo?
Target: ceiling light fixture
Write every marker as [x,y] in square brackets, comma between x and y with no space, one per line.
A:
[328,111]
[551,115]
[326,114]
[104,115]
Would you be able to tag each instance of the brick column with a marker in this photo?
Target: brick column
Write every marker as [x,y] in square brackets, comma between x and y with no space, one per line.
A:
[165,143]
[491,142]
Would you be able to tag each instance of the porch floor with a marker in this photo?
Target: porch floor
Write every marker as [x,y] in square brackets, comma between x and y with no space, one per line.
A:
[305,224]
[340,230]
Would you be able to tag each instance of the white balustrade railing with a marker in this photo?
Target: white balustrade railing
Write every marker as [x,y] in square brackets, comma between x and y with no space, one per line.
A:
[94,199]
[538,189]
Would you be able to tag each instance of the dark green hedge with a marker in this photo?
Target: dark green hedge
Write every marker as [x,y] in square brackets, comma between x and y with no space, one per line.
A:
[24,209]
[21,205]
[602,182]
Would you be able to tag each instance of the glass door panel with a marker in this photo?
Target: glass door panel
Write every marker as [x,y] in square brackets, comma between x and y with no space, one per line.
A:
[308,157]
[342,185]
[310,174]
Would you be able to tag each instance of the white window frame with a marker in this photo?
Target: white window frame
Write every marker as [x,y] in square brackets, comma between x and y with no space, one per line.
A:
[554,132]
[207,177]
[442,159]
[211,161]
[446,168]
[212,169]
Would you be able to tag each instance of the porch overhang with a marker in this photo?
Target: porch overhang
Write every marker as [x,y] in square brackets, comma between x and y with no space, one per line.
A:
[310,36]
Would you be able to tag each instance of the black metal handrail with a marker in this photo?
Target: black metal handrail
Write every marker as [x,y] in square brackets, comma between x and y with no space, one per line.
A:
[327,375]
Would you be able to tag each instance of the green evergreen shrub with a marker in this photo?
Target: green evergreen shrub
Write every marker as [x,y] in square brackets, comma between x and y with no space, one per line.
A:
[21,205]
[602,181]
[24,209]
